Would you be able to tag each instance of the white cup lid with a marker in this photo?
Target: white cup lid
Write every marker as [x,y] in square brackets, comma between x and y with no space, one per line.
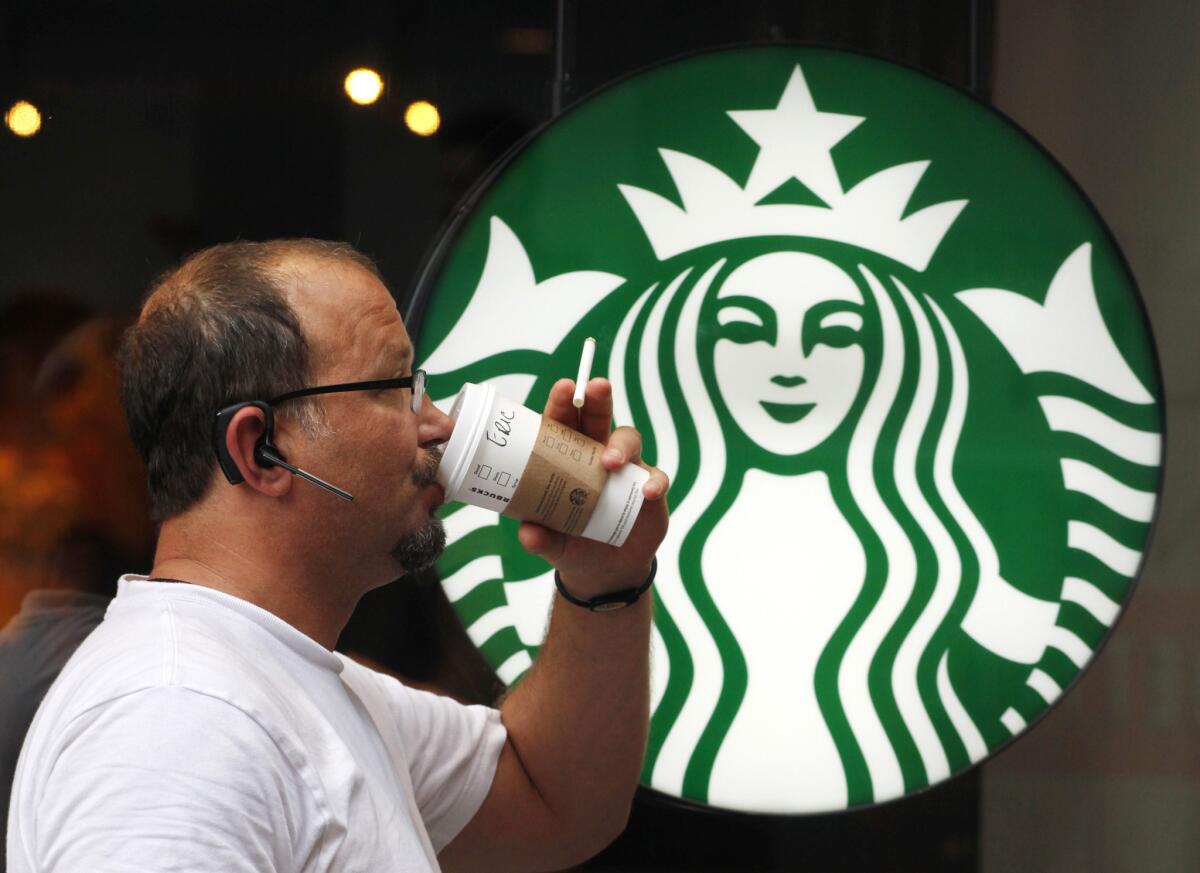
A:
[469,412]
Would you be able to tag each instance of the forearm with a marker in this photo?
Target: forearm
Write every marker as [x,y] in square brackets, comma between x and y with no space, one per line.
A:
[579,719]
[578,722]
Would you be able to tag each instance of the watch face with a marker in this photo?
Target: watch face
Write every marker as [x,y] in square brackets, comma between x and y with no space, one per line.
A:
[899,375]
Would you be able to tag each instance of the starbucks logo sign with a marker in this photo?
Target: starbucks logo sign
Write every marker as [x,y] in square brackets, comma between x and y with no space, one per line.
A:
[901,380]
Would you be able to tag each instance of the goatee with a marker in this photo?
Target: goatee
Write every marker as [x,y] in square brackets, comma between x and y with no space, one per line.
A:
[421,549]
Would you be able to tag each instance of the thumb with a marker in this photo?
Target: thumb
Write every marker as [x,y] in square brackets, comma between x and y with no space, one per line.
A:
[541,541]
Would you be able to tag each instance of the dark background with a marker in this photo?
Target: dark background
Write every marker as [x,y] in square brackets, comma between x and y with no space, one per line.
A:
[171,126]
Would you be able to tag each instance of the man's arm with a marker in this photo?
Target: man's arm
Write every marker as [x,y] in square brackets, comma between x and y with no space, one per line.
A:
[577,724]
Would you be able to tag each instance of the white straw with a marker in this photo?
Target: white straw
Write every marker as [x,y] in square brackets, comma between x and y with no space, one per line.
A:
[585,371]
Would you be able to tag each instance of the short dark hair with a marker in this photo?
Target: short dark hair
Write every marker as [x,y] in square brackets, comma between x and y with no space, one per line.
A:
[216,330]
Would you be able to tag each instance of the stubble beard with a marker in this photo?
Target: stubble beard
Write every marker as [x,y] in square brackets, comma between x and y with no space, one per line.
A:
[420,550]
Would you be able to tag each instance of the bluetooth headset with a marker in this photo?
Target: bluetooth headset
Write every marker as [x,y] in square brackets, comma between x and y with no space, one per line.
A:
[266,454]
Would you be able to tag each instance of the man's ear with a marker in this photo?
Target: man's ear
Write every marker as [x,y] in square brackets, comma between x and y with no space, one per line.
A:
[245,430]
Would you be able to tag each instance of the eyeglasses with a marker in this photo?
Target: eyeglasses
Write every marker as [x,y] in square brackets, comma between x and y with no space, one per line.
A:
[416,382]
[265,452]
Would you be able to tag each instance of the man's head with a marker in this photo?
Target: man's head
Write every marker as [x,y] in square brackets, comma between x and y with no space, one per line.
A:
[250,321]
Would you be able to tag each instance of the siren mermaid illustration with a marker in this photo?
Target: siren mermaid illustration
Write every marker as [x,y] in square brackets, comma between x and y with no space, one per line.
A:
[825,577]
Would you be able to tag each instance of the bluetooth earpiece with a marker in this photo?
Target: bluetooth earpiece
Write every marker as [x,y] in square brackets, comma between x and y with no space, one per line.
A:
[221,427]
[265,453]
[267,456]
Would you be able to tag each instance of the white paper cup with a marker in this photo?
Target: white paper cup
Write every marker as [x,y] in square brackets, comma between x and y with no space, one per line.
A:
[508,459]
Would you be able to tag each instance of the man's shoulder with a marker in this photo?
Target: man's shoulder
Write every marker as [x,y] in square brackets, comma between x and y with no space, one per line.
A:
[153,672]
[128,651]
[161,642]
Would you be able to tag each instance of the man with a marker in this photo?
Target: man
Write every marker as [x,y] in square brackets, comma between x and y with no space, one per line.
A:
[206,725]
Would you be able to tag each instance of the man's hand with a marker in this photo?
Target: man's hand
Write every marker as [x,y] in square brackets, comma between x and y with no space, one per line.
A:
[590,568]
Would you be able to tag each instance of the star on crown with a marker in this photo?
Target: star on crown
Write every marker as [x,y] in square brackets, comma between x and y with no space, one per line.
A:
[795,140]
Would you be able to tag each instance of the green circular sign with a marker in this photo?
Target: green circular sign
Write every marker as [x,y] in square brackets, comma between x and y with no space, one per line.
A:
[900,377]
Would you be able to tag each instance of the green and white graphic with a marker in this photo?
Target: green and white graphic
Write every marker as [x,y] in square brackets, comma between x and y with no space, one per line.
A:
[900,378]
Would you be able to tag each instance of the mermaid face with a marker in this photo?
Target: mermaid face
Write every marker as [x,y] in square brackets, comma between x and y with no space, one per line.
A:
[789,360]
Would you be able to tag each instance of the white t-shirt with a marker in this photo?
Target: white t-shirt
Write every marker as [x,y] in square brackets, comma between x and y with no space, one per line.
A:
[195,731]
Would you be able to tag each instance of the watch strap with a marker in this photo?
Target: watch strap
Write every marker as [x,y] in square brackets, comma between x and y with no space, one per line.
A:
[614,599]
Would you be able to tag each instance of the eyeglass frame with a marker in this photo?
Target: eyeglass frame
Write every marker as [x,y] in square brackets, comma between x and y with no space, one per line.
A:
[417,382]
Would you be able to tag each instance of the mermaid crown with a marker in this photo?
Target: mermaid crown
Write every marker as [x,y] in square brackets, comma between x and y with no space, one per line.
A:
[795,141]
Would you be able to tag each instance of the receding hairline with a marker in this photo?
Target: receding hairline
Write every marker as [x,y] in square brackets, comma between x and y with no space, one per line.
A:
[280,260]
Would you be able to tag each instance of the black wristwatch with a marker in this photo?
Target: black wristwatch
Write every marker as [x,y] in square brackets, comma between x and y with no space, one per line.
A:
[612,600]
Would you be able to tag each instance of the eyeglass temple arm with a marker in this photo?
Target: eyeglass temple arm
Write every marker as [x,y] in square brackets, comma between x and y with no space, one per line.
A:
[402,382]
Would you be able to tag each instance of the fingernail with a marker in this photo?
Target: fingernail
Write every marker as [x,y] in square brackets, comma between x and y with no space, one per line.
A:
[613,455]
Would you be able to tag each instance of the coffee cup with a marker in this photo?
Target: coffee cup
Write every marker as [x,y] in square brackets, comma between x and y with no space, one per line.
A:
[507,458]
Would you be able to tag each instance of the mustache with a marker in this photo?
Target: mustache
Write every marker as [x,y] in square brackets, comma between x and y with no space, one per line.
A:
[426,472]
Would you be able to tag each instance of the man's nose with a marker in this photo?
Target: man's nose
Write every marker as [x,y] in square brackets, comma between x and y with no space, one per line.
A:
[434,427]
